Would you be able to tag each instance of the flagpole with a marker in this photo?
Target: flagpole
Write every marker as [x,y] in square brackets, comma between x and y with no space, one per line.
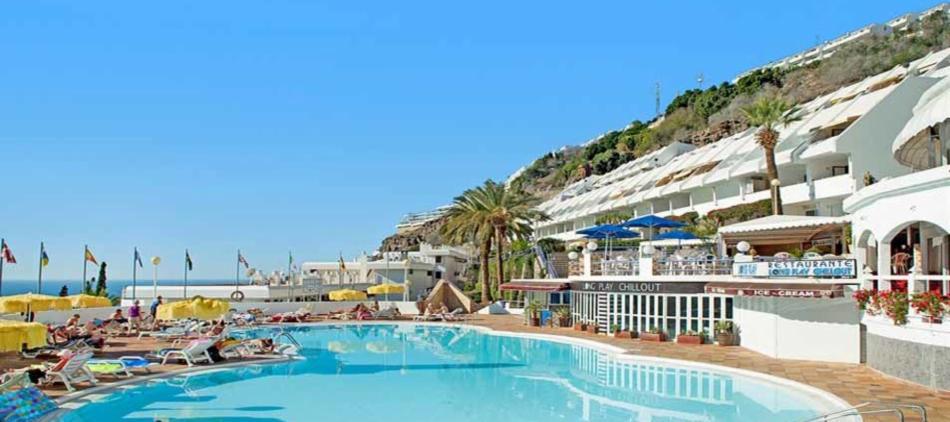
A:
[185,290]
[85,250]
[135,256]
[237,272]
[3,250]
[39,280]
[290,281]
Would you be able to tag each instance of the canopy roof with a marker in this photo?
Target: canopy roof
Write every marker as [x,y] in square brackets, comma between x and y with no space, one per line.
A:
[675,235]
[912,146]
[781,229]
[652,221]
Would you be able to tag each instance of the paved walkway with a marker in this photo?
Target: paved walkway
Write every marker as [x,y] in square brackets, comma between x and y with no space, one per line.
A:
[854,383]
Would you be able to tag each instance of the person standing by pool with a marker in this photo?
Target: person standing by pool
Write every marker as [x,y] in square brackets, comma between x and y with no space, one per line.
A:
[135,317]
[153,311]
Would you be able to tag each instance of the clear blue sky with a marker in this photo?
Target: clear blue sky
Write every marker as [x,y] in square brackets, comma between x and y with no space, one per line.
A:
[314,125]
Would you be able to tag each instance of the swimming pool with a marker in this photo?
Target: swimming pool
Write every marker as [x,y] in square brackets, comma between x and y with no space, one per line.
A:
[410,372]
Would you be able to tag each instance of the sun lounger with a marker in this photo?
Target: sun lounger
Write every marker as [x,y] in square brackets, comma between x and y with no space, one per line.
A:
[71,370]
[196,352]
[458,314]
[24,405]
[121,366]
[14,381]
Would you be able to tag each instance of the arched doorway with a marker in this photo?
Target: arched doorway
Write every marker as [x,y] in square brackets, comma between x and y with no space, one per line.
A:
[920,249]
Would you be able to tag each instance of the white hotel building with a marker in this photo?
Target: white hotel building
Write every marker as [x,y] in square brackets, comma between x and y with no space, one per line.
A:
[893,126]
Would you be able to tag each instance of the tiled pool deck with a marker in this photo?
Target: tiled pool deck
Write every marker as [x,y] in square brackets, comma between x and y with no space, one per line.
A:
[853,383]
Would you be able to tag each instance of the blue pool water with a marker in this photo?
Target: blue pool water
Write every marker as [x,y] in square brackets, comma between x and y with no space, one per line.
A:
[411,372]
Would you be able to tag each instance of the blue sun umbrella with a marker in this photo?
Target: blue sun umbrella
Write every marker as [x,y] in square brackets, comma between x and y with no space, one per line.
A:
[608,231]
[652,222]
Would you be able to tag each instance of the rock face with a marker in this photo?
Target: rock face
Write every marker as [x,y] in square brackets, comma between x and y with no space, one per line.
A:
[717,132]
[409,241]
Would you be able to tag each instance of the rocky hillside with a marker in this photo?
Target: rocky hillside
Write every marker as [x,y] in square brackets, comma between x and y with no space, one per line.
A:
[704,116]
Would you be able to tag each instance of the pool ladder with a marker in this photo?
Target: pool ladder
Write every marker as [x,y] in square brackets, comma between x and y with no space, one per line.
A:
[874,408]
[286,335]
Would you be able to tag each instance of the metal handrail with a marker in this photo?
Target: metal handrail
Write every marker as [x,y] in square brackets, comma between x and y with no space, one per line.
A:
[894,408]
[287,335]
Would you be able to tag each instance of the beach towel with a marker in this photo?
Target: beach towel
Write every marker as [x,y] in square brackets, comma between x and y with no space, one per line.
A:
[24,405]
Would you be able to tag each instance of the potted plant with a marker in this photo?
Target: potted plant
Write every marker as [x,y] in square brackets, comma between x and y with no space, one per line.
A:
[895,305]
[654,334]
[930,306]
[563,316]
[726,333]
[580,326]
[691,337]
[534,313]
[863,298]
[593,328]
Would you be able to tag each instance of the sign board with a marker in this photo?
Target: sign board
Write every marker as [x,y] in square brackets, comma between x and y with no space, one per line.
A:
[776,290]
[820,268]
[645,287]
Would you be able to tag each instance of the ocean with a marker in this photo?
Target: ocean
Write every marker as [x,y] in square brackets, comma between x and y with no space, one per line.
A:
[114,287]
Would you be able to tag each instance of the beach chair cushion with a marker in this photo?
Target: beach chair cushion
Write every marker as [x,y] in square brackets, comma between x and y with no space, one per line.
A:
[27,404]
[105,367]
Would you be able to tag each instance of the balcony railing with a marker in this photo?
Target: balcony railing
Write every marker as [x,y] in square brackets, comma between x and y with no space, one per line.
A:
[694,266]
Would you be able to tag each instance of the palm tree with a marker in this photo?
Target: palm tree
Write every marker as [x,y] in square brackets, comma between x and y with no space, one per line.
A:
[467,220]
[511,213]
[768,113]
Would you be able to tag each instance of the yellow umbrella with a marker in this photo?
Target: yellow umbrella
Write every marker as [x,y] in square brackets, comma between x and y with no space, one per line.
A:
[208,309]
[13,334]
[199,307]
[30,302]
[386,288]
[89,301]
[347,294]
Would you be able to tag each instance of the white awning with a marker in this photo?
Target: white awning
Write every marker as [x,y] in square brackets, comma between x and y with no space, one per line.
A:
[782,222]
[911,147]
[783,229]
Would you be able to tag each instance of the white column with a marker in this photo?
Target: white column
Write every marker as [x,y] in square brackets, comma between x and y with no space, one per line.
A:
[884,264]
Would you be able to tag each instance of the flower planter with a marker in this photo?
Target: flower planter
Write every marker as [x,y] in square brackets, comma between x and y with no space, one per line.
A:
[593,329]
[564,322]
[933,320]
[623,334]
[685,339]
[657,337]
[579,326]
[726,339]
[534,321]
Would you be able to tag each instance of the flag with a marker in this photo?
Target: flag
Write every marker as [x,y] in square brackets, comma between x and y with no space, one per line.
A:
[90,257]
[6,254]
[44,258]
[241,260]
[342,263]
[138,258]
[188,261]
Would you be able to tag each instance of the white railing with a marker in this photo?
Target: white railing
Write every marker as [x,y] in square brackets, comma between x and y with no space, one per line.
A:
[620,267]
[913,282]
[694,266]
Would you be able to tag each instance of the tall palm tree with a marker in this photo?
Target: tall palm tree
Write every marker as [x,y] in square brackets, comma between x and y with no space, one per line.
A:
[510,213]
[467,220]
[768,113]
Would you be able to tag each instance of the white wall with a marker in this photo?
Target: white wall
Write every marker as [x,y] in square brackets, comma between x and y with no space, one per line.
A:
[807,329]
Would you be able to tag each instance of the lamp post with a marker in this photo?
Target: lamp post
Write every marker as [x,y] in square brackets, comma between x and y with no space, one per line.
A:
[155,261]
[776,207]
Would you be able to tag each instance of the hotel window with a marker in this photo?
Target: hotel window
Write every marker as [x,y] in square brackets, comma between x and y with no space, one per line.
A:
[839,170]
[438,274]
[438,259]
[555,299]
[429,273]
